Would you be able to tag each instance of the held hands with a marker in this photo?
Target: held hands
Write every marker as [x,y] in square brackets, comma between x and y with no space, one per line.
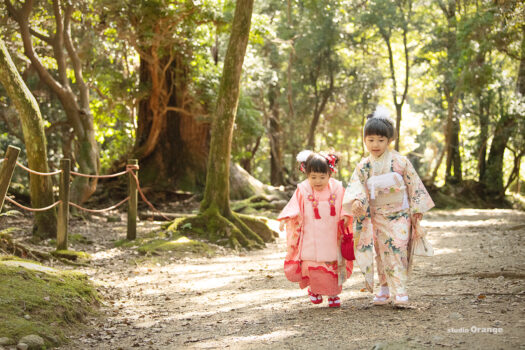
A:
[284,221]
[357,208]
[345,220]
[417,216]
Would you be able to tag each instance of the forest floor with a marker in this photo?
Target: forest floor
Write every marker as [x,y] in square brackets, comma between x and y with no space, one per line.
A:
[470,295]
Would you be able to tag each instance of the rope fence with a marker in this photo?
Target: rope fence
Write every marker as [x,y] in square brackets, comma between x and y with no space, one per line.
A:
[100,210]
[32,209]
[6,172]
[99,176]
[36,172]
[144,197]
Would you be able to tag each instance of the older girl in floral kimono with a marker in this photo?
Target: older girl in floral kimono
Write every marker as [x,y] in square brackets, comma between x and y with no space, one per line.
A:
[384,195]
[312,215]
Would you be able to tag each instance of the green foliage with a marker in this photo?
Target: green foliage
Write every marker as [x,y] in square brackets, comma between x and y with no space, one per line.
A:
[470,51]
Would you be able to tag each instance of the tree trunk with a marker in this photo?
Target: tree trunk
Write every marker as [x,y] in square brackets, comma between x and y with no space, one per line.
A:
[215,209]
[274,135]
[437,166]
[484,121]
[289,95]
[216,193]
[520,82]
[515,173]
[453,161]
[320,104]
[41,187]
[177,158]
[76,107]
[494,173]
[246,162]
[397,104]
[398,125]
[451,90]
[493,178]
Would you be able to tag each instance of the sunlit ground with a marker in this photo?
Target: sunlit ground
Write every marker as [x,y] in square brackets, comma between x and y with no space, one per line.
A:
[244,299]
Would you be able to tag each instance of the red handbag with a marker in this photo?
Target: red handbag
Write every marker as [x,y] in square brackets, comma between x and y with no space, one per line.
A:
[347,241]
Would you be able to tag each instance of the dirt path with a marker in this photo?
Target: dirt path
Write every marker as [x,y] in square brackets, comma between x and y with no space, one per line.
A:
[470,295]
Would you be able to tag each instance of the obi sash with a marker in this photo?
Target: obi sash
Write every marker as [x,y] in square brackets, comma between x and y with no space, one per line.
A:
[387,189]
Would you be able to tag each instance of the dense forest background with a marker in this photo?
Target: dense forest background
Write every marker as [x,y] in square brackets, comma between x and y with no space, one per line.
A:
[125,79]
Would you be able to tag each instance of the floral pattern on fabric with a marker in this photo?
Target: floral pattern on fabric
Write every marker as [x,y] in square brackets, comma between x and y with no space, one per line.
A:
[385,229]
[323,277]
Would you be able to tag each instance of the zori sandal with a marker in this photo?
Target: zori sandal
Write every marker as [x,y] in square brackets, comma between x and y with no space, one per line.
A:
[334,301]
[315,298]
[381,299]
[401,300]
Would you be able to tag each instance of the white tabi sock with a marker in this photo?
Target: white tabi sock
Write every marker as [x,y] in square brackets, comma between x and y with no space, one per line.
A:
[384,291]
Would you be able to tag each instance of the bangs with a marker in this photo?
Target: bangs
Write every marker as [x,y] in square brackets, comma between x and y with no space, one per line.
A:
[379,127]
[317,164]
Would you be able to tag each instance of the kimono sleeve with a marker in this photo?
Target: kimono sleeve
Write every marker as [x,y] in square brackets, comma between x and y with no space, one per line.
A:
[355,190]
[418,196]
[345,209]
[292,209]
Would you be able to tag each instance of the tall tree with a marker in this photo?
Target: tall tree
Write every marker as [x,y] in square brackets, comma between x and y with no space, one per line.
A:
[41,187]
[274,131]
[172,136]
[317,63]
[452,85]
[215,212]
[73,97]
[502,29]
[389,18]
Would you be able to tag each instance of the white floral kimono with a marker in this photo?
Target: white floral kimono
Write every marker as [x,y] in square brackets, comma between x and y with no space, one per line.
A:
[391,191]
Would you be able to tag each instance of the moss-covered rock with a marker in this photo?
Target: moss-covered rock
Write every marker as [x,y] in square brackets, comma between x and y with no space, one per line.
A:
[259,225]
[126,243]
[257,204]
[78,238]
[177,247]
[173,242]
[36,299]
[72,255]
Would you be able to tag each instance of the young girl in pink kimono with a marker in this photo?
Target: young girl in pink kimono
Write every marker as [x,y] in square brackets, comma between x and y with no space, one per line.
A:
[384,195]
[312,215]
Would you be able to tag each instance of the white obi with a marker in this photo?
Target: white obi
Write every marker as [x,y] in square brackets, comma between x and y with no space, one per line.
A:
[388,189]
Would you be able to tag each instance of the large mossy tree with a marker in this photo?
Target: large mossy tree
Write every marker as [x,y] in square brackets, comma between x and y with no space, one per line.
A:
[65,78]
[41,187]
[216,219]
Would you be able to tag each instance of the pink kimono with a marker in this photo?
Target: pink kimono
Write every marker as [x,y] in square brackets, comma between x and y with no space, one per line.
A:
[313,247]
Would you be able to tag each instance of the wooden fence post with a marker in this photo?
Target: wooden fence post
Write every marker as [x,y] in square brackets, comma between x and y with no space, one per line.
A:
[6,171]
[132,204]
[63,207]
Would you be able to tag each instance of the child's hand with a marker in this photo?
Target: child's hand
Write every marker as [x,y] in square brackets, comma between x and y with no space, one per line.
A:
[345,220]
[281,225]
[357,208]
[418,216]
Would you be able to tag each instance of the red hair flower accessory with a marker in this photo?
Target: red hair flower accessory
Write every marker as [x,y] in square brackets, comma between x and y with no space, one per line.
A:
[331,159]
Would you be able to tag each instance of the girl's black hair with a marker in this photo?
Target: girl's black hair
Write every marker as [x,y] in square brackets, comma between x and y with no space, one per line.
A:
[380,127]
[318,163]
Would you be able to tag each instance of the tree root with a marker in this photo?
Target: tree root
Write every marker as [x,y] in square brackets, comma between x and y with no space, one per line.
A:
[236,231]
[10,247]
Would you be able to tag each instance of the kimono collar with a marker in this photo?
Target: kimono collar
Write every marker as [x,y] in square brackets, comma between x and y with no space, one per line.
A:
[315,201]
[382,164]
